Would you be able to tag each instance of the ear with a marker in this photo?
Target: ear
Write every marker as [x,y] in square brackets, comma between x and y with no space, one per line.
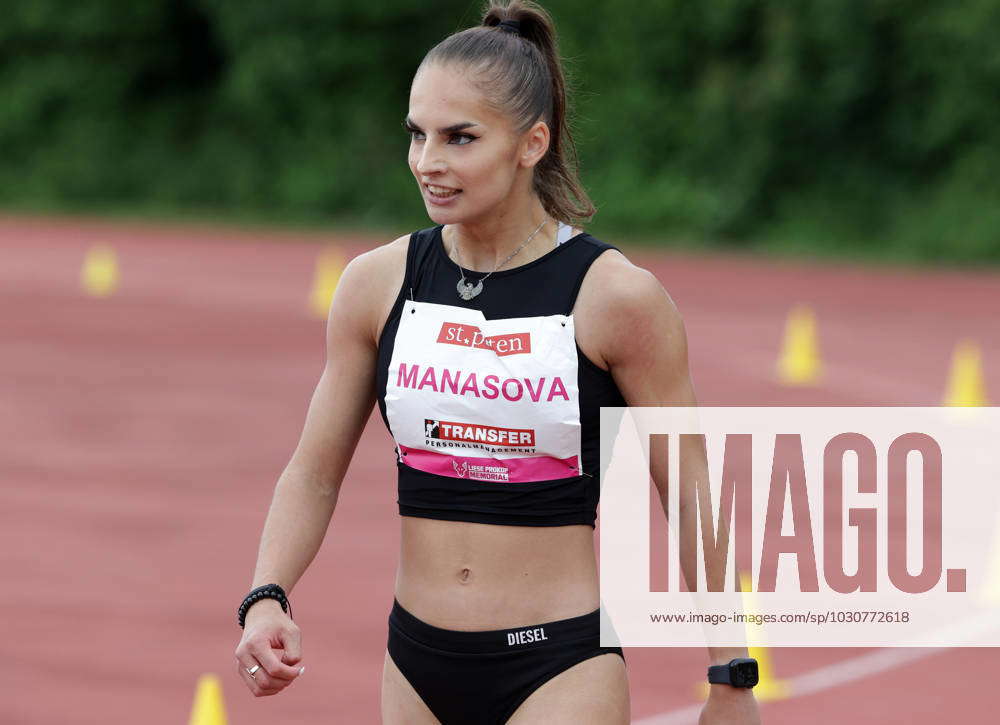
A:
[534,144]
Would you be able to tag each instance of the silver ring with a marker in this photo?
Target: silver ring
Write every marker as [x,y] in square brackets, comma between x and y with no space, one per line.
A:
[252,670]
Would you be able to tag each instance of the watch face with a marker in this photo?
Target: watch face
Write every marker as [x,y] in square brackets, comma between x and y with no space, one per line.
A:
[744,673]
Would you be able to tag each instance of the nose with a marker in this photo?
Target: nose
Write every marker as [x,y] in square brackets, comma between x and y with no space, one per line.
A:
[429,161]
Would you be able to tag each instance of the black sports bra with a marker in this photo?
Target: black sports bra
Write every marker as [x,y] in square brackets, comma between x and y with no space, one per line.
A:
[494,408]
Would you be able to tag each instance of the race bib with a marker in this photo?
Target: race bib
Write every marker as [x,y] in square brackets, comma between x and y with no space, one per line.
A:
[488,400]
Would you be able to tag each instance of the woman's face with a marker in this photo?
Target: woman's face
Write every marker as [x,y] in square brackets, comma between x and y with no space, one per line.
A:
[459,143]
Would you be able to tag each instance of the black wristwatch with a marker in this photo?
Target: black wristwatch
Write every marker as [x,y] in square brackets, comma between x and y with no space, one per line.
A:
[740,672]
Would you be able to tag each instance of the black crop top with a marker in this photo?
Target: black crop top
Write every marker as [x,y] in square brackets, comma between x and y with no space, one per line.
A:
[494,408]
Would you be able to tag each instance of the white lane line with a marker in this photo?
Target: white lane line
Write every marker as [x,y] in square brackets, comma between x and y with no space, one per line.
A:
[850,670]
[820,679]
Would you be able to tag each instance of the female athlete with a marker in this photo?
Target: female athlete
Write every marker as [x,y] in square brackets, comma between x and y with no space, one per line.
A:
[489,342]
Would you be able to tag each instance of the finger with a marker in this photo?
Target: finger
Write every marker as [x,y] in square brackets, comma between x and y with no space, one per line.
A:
[258,683]
[276,669]
[292,640]
[258,679]
[284,658]
[248,679]
[301,668]
[257,690]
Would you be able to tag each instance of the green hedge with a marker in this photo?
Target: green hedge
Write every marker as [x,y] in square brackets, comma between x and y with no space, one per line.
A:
[863,126]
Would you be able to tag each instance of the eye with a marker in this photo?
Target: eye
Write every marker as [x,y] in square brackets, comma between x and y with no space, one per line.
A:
[416,135]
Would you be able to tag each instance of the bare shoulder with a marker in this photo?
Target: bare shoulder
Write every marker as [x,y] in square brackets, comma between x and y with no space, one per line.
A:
[621,281]
[622,306]
[381,260]
[369,285]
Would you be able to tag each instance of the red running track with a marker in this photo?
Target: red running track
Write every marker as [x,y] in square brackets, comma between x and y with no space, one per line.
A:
[143,433]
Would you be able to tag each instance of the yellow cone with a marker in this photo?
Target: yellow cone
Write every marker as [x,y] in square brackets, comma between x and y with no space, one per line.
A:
[99,274]
[329,266]
[208,706]
[769,686]
[966,386]
[799,363]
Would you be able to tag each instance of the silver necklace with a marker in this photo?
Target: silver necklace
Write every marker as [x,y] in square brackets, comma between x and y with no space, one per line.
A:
[466,290]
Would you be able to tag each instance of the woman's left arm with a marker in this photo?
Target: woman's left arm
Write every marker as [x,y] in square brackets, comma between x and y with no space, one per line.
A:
[641,336]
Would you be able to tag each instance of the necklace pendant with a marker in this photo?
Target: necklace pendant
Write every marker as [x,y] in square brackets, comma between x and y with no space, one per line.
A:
[467,291]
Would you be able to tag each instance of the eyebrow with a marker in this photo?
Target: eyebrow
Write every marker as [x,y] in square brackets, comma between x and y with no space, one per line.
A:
[454,128]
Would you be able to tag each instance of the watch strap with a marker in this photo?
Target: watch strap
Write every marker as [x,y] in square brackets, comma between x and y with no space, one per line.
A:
[719,675]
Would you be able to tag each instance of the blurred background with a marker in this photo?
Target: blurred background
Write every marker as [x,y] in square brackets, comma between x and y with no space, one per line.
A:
[856,127]
[182,181]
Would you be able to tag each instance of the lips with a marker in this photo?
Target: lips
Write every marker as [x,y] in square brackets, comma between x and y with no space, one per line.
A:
[433,197]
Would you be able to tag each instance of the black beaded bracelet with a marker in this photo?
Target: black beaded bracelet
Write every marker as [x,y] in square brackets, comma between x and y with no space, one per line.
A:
[267,591]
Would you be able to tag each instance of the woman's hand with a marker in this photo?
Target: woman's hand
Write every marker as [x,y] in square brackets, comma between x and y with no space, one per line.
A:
[272,640]
[729,706]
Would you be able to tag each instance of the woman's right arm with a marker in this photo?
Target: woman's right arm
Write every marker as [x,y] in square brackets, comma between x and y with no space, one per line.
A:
[306,493]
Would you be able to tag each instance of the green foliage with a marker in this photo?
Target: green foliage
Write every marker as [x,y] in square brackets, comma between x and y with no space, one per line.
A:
[851,125]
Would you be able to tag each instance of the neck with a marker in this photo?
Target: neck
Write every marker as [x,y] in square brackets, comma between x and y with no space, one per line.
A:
[483,244]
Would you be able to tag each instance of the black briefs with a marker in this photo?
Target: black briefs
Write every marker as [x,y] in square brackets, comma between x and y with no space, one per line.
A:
[482,677]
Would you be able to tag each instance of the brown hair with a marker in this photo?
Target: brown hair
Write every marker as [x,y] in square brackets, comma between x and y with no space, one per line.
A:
[523,77]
